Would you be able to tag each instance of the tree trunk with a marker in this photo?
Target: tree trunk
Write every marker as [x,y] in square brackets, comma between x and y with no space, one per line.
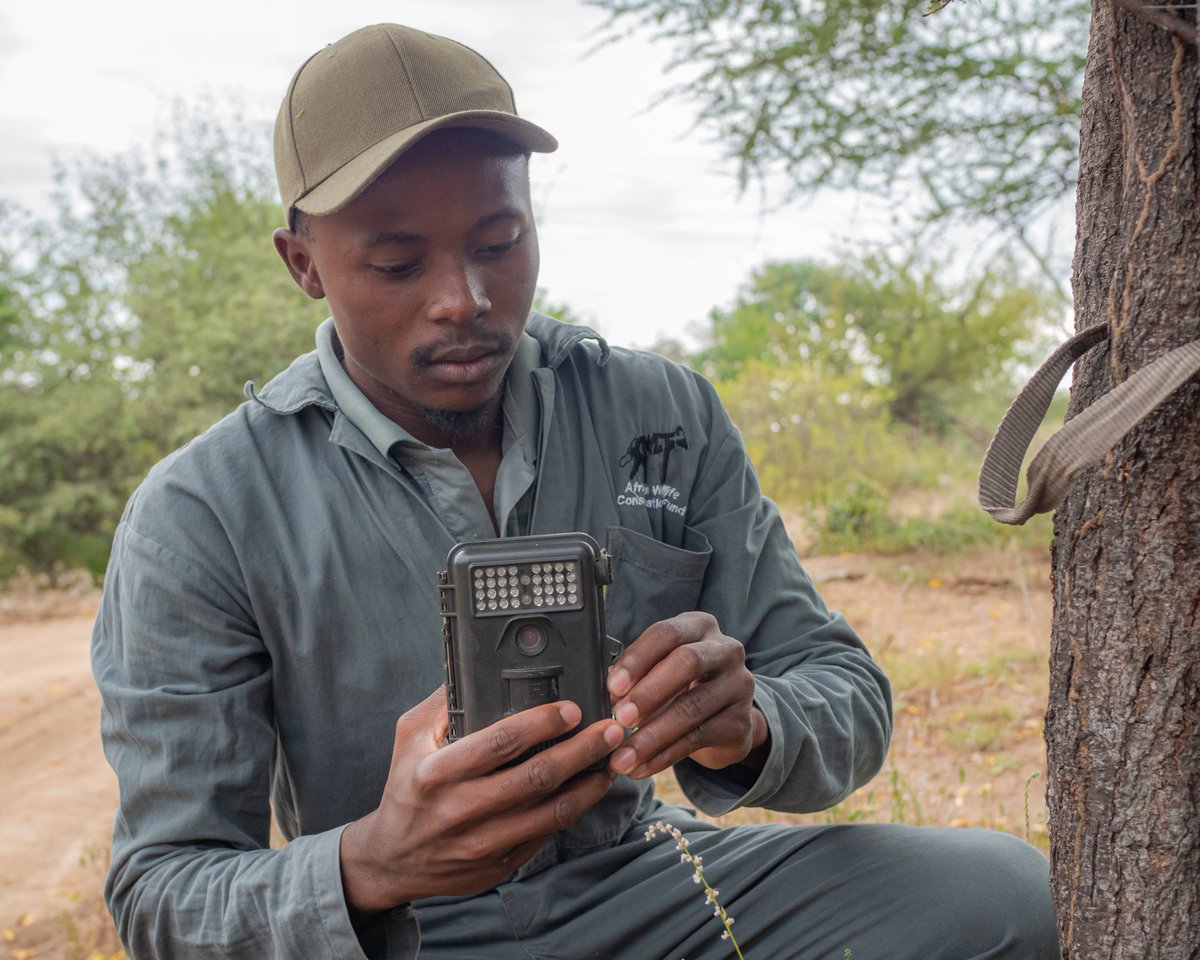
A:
[1123,724]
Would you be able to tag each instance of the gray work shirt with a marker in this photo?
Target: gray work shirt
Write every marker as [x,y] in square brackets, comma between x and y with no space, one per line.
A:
[270,608]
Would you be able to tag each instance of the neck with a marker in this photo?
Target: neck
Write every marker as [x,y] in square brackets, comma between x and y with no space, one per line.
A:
[469,433]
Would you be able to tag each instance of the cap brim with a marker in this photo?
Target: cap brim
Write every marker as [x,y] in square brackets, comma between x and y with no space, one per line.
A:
[346,183]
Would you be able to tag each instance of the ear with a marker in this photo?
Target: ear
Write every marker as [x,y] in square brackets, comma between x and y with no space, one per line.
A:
[295,250]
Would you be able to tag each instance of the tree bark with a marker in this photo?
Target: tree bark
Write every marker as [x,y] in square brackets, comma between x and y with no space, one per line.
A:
[1123,723]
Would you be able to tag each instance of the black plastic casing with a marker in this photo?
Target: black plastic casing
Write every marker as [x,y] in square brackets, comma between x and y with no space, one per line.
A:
[523,624]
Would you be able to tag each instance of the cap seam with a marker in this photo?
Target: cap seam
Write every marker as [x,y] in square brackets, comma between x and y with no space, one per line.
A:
[292,129]
[412,87]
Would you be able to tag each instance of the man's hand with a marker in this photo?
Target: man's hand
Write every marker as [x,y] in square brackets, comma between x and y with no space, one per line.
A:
[685,687]
[451,822]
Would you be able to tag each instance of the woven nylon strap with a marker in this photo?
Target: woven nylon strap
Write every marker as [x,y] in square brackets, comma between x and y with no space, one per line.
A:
[1083,440]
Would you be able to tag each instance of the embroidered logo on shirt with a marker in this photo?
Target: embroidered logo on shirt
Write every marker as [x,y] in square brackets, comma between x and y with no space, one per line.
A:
[649,445]
[659,495]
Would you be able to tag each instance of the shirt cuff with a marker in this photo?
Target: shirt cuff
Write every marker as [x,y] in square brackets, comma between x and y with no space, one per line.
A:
[396,931]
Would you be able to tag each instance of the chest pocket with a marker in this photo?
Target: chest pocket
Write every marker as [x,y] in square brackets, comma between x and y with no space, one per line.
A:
[652,580]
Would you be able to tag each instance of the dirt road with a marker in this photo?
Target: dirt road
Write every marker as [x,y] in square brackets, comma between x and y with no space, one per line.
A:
[57,794]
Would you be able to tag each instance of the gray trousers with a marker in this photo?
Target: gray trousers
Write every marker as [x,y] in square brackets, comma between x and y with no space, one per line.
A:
[866,891]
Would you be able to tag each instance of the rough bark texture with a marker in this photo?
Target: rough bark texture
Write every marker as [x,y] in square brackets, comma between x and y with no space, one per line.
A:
[1123,725]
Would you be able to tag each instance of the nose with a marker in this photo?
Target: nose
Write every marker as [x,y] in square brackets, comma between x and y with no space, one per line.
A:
[458,294]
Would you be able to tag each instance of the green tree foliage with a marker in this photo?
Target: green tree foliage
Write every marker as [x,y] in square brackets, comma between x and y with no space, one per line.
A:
[974,111]
[890,329]
[59,411]
[129,321]
[809,432]
[865,388]
[214,304]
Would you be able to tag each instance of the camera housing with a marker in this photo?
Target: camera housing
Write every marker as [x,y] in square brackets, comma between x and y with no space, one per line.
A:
[523,624]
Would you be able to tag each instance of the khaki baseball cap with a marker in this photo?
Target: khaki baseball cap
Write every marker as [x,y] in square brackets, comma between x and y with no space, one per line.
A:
[355,106]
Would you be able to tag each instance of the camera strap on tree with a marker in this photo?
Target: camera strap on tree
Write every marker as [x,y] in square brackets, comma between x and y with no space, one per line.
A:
[1081,441]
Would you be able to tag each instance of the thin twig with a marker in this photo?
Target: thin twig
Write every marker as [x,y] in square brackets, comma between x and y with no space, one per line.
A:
[1160,18]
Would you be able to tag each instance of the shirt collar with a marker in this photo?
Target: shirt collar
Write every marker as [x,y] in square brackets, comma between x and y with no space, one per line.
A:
[520,398]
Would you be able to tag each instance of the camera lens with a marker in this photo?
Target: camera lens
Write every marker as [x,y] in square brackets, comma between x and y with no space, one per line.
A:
[531,639]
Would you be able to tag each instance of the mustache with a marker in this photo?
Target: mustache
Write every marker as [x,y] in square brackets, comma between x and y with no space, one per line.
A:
[490,342]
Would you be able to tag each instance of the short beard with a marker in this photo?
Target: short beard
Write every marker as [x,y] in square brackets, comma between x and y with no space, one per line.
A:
[457,426]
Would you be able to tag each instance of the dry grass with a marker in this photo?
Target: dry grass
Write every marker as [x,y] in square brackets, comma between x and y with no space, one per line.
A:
[964,640]
[77,927]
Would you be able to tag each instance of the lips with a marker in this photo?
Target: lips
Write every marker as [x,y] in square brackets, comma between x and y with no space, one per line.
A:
[463,362]
[464,365]
[463,354]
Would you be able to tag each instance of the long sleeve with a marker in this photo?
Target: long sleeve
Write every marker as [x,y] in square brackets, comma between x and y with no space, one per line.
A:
[188,726]
[827,703]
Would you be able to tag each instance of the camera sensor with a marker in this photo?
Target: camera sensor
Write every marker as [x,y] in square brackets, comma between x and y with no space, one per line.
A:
[531,639]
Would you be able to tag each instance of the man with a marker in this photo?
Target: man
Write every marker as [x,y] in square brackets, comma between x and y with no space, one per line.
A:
[270,628]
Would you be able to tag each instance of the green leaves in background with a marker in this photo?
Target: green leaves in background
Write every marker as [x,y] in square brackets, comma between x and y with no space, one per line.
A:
[915,343]
[129,322]
[973,112]
[872,380]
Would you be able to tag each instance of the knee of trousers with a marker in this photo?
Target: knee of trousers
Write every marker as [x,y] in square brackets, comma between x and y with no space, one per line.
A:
[989,894]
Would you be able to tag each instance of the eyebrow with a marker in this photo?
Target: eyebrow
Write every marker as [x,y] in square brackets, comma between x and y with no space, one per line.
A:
[400,236]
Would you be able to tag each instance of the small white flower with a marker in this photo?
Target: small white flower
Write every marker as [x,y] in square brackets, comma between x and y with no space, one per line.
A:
[698,878]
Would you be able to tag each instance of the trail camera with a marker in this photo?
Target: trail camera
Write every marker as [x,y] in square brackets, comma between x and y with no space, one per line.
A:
[523,624]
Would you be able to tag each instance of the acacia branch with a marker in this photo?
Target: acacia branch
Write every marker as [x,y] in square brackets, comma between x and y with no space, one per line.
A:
[1168,21]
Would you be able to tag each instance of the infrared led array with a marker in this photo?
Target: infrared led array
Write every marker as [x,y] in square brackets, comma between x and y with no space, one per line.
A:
[526,586]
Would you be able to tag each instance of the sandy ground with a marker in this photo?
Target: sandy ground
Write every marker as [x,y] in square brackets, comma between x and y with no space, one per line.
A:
[58,795]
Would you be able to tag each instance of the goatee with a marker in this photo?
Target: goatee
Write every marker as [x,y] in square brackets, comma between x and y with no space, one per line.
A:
[456,426]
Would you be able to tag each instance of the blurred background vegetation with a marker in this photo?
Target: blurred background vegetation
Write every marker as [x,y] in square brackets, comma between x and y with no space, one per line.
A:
[131,319]
[866,384]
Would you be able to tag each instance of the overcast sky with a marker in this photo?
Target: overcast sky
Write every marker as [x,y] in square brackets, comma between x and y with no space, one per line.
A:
[641,226]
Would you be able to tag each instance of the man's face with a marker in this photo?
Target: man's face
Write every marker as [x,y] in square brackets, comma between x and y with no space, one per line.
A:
[430,274]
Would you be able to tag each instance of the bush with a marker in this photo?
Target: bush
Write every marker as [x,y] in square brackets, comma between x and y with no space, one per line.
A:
[807,432]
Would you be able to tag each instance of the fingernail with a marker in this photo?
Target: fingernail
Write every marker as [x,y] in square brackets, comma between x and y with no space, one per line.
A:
[618,682]
[623,760]
[613,735]
[570,713]
[627,715]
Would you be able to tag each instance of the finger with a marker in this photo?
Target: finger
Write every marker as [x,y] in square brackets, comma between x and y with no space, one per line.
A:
[518,855]
[654,644]
[658,751]
[545,816]
[691,716]
[681,670]
[549,769]
[483,751]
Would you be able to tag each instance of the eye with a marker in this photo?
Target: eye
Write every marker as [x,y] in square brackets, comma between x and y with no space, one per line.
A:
[494,251]
[397,270]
